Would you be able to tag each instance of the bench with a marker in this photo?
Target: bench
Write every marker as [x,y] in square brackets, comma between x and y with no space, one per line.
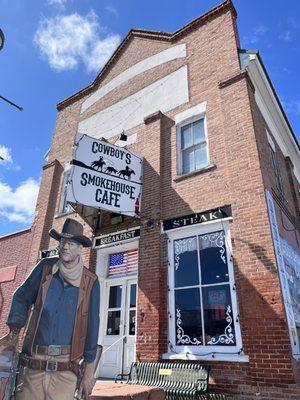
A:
[179,380]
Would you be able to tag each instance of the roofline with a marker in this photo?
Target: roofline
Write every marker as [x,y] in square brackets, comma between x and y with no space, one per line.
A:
[256,52]
[227,5]
[15,233]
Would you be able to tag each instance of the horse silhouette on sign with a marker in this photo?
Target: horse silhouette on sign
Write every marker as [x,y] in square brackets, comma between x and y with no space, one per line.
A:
[127,172]
[98,164]
[111,170]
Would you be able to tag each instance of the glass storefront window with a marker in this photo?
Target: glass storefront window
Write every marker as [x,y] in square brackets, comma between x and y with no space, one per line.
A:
[203,304]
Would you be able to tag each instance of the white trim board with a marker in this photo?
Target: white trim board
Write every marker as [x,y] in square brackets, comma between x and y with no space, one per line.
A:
[212,357]
[198,110]
[269,107]
[172,53]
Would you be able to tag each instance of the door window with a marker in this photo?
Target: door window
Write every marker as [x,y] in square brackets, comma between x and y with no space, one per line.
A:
[114,310]
[132,309]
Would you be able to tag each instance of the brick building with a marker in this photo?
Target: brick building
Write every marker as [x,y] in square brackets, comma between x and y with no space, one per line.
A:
[210,270]
[14,250]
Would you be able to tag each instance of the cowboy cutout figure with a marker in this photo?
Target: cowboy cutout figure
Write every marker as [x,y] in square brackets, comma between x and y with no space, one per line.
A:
[62,331]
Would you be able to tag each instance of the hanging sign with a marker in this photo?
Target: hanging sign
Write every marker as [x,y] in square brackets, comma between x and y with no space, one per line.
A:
[197,218]
[105,176]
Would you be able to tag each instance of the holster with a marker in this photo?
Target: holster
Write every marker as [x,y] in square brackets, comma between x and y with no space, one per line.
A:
[80,374]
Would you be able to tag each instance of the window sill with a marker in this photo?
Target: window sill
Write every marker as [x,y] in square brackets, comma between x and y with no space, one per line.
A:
[211,357]
[179,178]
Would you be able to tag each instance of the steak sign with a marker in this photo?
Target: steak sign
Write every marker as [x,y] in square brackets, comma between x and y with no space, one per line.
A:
[105,176]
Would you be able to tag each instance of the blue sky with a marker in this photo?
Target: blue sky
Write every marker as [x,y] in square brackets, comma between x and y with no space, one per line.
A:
[54,48]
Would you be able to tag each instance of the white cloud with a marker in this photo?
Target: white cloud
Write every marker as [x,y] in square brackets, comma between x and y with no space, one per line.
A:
[67,40]
[14,217]
[5,152]
[260,30]
[18,205]
[286,36]
[112,10]
[59,3]
[258,33]
[293,107]
[294,23]
[100,53]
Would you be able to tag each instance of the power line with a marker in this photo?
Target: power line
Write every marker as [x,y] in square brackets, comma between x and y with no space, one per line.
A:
[11,103]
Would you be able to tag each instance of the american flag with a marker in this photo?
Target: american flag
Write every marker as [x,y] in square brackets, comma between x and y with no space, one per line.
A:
[123,263]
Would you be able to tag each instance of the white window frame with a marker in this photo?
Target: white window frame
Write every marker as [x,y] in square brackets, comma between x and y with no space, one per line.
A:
[63,191]
[187,117]
[275,165]
[186,352]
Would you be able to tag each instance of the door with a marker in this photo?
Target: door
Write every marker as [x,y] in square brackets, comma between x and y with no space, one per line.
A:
[118,333]
[130,326]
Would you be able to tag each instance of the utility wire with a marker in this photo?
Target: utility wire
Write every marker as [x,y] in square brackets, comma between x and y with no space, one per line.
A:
[11,103]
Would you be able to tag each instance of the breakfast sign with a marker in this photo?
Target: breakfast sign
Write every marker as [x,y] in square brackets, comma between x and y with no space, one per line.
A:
[105,176]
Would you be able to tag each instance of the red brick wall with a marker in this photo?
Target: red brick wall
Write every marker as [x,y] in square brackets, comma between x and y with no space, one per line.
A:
[14,251]
[286,206]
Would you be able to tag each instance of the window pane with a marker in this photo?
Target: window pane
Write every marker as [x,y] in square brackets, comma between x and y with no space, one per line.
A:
[188,317]
[186,262]
[132,322]
[66,207]
[186,136]
[201,157]
[115,295]
[218,320]
[213,258]
[198,128]
[273,157]
[188,160]
[113,323]
[132,296]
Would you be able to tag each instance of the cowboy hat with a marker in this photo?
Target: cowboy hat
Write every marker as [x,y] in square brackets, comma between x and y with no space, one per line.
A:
[72,230]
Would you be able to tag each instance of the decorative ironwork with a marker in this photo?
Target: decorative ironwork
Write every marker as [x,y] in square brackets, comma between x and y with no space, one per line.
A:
[228,336]
[182,246]
[182,338]
[215,239]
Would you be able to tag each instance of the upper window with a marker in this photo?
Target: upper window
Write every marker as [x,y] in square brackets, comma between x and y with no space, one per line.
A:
[193,146]
[202,295]
[275,164]
[65,207]
[276,170]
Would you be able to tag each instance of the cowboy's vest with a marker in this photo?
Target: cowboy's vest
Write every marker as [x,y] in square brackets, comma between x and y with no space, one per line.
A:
[82,310]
